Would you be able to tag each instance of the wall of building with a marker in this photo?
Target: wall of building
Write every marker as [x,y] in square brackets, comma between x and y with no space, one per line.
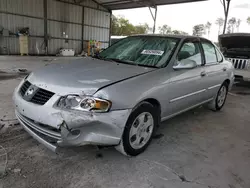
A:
[64,24]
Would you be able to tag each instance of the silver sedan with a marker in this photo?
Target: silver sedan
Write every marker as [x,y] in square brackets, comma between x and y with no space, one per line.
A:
[119,97]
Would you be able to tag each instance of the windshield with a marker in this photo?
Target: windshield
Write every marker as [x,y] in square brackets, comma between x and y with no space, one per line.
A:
[141,50]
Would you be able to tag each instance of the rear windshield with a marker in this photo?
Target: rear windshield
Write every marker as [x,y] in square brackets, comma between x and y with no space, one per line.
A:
[141,50]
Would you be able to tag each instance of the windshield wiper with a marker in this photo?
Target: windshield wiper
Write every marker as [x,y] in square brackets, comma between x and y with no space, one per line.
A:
[151,66]
[121,61]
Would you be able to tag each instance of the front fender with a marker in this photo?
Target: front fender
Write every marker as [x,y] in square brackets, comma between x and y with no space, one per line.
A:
[127,94]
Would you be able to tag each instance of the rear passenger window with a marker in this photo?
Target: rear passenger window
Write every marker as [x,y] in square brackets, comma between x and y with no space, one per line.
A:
[209,51]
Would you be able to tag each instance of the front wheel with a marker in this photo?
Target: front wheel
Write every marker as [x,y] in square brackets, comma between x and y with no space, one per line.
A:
[138,130]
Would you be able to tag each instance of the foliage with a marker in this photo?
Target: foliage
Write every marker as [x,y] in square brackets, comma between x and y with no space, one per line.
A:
[177,32]
[238,22]
[248,20]
[231,25]
[208,28]
[220,23]
[122,27]
[165,29]
[198,30]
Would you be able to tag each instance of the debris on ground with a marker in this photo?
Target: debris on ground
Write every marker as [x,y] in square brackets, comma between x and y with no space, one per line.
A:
[17,170]
[22,70]
[1,126]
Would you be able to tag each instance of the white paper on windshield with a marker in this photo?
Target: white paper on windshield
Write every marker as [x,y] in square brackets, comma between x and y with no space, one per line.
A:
[153,52]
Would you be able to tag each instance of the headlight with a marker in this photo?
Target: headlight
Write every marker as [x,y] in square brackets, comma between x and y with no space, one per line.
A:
[84,103]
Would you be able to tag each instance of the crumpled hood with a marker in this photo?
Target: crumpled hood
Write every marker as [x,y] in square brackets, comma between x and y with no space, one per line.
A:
[83,76]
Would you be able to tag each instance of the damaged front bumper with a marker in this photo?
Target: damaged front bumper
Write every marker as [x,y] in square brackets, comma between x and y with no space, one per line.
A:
[55,128]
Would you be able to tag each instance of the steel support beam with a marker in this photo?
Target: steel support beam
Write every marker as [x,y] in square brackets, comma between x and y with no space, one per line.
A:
[154,15]
[45,12]
[110,28]
[226,6]
[82,28]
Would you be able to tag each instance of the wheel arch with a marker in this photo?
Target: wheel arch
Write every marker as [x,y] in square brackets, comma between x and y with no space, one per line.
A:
[227,81]
[157,105]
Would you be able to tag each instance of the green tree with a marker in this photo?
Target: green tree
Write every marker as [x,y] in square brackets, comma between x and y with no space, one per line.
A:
[208,28]
[198,30]
[220,23]
[238,22]
[122,27]
[232,23]
[248,20]
[165,29]
[177,32]
[141,29]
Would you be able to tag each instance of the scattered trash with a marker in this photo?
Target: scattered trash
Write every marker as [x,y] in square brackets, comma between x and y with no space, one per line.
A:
[5,120]
[49,60]
[22,70]
[183,178]
[17,170]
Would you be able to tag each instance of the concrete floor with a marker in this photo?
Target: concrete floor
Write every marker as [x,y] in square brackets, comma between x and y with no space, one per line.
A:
[197,149]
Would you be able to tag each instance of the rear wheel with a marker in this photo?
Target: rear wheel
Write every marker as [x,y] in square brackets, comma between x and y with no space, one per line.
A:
[220,99]
[138,130]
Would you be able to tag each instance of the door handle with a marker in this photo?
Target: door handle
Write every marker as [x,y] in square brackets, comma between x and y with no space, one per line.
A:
[203,73]
[224,69]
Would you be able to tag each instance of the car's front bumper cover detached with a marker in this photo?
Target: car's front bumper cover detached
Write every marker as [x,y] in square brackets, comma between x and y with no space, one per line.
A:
[55,128]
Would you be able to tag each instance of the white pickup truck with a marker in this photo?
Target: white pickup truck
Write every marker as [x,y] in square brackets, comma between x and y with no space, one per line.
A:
[236,48]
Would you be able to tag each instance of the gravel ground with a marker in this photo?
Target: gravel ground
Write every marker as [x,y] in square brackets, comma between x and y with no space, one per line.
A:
[198,149]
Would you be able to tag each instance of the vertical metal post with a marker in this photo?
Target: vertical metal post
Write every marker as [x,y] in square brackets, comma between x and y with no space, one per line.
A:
[45,10]
[110,28]
[82,28]
[155,19]
[226,10]
[154,16]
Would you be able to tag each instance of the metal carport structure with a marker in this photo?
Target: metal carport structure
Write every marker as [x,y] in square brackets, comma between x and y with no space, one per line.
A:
[53,22]
[127,4]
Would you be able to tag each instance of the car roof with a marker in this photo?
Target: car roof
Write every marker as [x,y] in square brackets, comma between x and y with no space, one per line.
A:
[172,36]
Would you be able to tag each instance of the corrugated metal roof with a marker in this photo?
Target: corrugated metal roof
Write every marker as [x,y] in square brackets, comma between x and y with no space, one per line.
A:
[126,4]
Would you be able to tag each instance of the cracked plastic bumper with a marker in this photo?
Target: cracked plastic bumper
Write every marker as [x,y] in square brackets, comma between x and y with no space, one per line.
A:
[58,128]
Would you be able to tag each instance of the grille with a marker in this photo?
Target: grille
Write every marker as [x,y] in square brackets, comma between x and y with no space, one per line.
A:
[240,63]
[44,130]
[41,96]
[24,87]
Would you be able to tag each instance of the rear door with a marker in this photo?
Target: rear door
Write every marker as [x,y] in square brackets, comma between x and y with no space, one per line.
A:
[215,69]
[186,87]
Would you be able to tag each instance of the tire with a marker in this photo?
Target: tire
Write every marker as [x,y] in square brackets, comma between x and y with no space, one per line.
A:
[141,123]
[219,101]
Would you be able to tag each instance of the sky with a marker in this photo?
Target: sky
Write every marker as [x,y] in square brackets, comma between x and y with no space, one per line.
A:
[185,16]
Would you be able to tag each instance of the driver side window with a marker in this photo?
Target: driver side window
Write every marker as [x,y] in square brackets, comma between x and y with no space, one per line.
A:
[190,51]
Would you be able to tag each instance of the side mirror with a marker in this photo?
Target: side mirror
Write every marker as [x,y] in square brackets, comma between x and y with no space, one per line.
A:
[185,64]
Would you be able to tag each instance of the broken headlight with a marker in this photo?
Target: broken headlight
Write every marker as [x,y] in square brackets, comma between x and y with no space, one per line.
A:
[84,103]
